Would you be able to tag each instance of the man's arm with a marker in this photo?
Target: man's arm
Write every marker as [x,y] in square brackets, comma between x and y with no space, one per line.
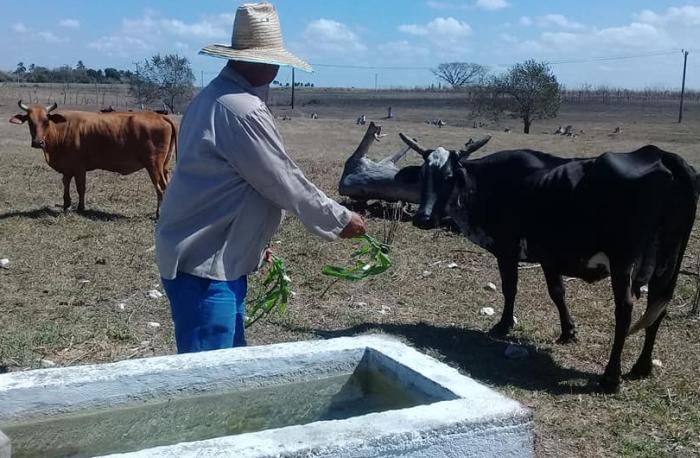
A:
[252,146]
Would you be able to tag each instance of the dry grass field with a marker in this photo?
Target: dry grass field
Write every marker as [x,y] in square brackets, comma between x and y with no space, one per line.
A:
[59,298]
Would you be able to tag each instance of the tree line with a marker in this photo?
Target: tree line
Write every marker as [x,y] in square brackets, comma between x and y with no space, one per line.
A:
[66,74]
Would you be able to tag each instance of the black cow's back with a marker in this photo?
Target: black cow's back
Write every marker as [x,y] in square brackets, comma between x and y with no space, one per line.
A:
[564,211]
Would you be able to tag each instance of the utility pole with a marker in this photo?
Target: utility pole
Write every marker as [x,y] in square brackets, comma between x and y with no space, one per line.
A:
[685,63]
[293,84]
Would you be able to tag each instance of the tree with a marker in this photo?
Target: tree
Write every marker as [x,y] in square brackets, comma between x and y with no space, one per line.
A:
[168,78]
[461,74]
[21,69]
[80,66]
[141,88]
[112,74]
[530,89]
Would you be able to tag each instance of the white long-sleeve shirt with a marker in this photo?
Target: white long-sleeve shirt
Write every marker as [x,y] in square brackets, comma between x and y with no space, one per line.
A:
[231,184]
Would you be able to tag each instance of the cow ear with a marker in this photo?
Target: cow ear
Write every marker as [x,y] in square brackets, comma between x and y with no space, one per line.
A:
[56,118]
[18,119]
[408,175]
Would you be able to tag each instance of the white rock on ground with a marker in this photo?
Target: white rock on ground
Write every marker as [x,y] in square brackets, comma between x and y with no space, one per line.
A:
[5,263]
[515,320]
[45,363]
[657,363]
[490,287]
[121,306]
[452,265]
[153,324]
[154,294]
[487,311]
[426,273]
[516,352]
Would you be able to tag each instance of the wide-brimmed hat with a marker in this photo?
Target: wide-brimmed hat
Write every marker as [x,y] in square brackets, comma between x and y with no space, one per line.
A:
[257,37]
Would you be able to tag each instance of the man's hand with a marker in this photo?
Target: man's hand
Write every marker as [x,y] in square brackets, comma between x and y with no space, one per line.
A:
[355,228]
[267,257]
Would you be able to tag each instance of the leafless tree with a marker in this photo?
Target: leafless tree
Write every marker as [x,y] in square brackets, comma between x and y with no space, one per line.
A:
[461,74]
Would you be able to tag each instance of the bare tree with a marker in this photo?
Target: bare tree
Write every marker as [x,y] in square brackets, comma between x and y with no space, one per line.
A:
[168,78]
[461,74]
[529,89]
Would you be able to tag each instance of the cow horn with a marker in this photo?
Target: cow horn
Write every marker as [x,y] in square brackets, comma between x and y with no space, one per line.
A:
[52,107]
[413,144]
[472,146]
[23,106]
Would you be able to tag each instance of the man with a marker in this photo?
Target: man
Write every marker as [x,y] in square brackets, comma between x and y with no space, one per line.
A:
[230,186]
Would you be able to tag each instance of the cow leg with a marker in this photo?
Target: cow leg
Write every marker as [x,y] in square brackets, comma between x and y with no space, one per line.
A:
[80,187]
[159,183]
[622,290]
[555,287]
[642,368]
[66,191]
[508,267]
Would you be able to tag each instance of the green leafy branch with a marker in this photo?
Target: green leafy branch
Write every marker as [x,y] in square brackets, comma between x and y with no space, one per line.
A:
[372,258]
[275,298]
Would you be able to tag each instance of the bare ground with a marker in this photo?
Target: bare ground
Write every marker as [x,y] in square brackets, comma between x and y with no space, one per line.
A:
[59,299]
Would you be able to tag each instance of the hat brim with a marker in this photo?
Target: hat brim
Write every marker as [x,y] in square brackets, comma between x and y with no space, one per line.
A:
[280,57]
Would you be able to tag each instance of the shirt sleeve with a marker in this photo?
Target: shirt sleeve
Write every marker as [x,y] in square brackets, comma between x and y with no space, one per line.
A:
[253,147]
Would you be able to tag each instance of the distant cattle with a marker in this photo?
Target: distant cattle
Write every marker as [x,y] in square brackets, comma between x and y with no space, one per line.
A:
[627,216]
[75,142]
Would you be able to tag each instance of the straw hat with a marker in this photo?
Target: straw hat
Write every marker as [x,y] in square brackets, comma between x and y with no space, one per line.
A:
[257,37]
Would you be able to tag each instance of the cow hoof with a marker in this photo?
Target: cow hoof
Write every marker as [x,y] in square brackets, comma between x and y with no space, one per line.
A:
[608,384]
[567,338]
[81,209]
[501,329]
[640,371]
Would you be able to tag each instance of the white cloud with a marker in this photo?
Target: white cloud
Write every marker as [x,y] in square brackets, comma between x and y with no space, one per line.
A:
[403,52]
[440,30]
[120,46]
[152,31]
[635,35]
[492,5]
[448,5]
[20,27]
[551,20]
[49,37]
[326,36]
[526,21]
[69,23]
[687,15]
[559,21]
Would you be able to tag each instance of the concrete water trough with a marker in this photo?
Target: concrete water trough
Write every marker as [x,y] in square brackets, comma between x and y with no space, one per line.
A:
[366,396]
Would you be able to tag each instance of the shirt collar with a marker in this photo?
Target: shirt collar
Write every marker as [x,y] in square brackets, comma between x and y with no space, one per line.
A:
[260,91]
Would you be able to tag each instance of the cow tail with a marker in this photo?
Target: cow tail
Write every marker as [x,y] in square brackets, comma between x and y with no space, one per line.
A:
[674,233]
[173,140]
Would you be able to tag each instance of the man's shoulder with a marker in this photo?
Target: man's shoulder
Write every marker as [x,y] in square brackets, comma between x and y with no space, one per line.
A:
[241,104]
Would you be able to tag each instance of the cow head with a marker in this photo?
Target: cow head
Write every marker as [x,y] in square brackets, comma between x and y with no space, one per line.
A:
[442,174]
[39,118]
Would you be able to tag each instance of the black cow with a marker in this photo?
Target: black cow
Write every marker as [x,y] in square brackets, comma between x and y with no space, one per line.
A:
[626,215]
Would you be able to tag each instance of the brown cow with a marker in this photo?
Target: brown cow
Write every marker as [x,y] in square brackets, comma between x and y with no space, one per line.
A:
[75,142]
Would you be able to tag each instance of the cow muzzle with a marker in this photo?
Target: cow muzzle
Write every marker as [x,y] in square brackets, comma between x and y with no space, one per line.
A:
[38,144]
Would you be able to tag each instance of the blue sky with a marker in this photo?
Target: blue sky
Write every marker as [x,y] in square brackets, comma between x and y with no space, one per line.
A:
[414,35]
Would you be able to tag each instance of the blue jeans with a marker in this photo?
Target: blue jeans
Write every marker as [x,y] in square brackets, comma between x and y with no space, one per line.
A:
[208,314]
